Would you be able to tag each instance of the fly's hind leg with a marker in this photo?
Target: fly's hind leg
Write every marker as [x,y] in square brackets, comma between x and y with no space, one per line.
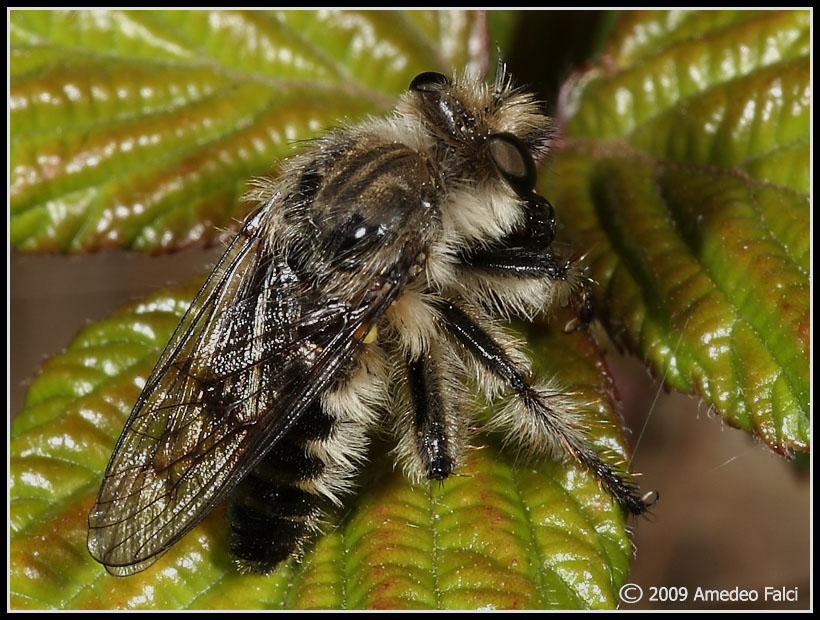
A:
[543,420]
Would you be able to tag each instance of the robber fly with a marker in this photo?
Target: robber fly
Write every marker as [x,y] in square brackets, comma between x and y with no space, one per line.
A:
[377,263]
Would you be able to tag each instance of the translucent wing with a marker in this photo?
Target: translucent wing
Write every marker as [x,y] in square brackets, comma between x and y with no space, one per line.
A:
[254,349]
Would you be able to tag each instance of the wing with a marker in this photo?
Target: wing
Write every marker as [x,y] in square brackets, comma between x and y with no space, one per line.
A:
[254,349]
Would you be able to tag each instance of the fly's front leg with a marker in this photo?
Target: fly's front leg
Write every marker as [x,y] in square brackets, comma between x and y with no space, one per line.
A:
[518,263]
[522,273]
[543,275]
[583,305]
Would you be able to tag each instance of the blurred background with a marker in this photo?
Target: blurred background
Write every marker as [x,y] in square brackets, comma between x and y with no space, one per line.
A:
[731,512]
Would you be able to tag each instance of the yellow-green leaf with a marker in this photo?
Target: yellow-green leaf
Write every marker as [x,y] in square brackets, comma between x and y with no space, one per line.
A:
[502,533]
[140,128]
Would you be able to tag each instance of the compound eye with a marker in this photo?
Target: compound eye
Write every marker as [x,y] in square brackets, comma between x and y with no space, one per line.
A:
[429,82]
[514,161]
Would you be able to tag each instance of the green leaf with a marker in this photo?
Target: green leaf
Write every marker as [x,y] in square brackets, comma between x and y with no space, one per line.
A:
[500,534]
[140,128]
[684,167]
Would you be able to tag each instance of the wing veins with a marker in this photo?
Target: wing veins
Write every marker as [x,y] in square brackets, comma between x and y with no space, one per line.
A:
[242,286]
